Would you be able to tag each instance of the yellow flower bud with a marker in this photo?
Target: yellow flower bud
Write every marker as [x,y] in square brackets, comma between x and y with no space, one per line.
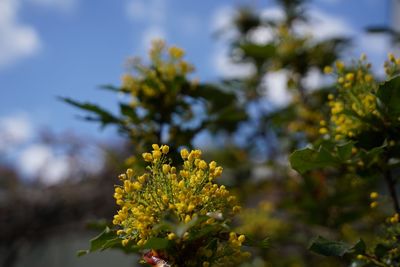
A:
[391,57]
[202,165]
[350,76]
[339,65]
[129,173]
[165,149]
[156,154]
[323,131]
[187,219]
[176,52]
[184,153]
[166,168]
[328,69]
[374,195]
[147,157]
[171,236]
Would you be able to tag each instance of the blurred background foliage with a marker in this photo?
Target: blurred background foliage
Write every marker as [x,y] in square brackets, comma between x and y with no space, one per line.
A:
[162,103]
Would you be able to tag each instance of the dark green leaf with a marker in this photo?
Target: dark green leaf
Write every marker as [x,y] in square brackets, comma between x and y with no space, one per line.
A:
[258,243]
[129,111]
[102,241]
[258,51]
[326,247]
[359,247]
[344,151]
[381,250]
[308,159]
[156,243]
[81,253]
[111,88]
[389,96]
[101,115]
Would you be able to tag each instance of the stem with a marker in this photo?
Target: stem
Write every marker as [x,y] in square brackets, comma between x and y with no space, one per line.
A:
[392,190]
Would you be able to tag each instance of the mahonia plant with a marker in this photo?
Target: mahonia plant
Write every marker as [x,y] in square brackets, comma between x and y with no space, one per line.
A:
[185,207]
[162,102]
[355,101]
[362,134]
[354,108]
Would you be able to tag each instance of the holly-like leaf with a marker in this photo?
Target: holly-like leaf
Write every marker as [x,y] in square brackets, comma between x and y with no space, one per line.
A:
[308,159]
[99,242]
[100,114]
[344,151]
[389,97]
[327,247]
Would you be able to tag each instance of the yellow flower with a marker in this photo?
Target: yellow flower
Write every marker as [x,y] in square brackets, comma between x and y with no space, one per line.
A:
[374,195]
[328,69]
[145,198]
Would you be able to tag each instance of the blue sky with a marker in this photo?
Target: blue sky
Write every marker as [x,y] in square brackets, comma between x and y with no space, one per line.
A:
[51,48]
[73,46]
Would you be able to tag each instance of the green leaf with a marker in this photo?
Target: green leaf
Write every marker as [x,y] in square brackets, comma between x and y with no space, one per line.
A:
[111,88]
[326,247]
[389,96]
[381,250]
[360,247]
[101,115]
[308,159]
[157,243]
[258,243]
[258,51]
[129,111]
[81,253]
[344,151]
[102,241]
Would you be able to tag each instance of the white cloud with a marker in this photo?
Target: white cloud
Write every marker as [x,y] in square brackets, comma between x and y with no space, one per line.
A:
[272,13]
[152,13]
[324,26]
[150,34]
[136,10]
[222,18]
[260,35]
[14,131]
[376,47]
[275,86]
[17,40]
[321,26]
[224,65]
[315,79]
[222,22]
[39,160]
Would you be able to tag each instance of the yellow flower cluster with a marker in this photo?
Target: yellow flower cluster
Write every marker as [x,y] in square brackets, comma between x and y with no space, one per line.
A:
[186,194]
[392,66]
[306,121]
[355,100]
[167,68]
